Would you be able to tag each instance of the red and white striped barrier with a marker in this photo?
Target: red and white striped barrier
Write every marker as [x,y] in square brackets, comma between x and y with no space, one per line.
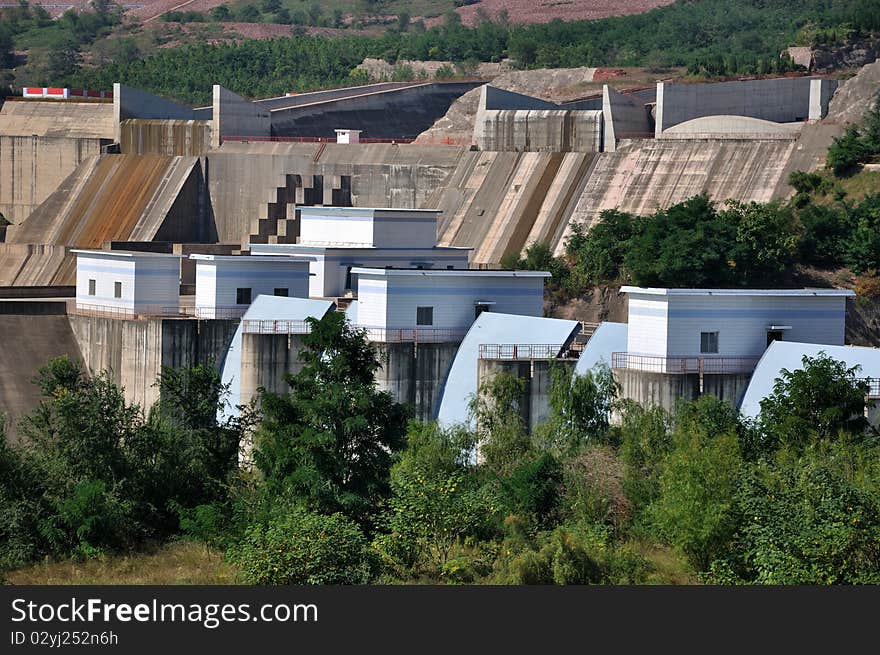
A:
[58,93]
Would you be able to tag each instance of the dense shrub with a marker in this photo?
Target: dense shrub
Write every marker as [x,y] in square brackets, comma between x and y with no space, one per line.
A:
[301,547]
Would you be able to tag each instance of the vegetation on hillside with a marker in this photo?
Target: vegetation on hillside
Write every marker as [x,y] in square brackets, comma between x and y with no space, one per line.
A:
[342,492]
[832,222]
[710,38]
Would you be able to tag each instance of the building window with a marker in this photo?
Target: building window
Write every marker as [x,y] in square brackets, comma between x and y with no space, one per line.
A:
[117,289]
[424,316]
[243,296]
[708,343]
[92,287]
[479,308]
[280,291]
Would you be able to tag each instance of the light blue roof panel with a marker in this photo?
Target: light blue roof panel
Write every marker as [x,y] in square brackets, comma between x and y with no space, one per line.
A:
[492,328]
[608,338]
[264,308]
[788,355]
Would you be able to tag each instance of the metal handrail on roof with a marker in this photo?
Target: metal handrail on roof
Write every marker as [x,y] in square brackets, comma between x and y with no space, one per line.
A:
[683,364]
[528,351]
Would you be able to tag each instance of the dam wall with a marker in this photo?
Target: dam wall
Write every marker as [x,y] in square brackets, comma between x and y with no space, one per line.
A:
[386,114]
[133,352]
[141,136]
[647,174]
[244,179]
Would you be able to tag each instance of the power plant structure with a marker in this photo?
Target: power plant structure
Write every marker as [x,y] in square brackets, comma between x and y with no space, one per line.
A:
[144,233]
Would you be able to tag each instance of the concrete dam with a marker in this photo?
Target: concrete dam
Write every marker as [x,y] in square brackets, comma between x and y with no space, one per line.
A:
[144,173]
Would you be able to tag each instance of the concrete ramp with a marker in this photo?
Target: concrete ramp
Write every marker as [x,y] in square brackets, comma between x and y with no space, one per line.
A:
[29,342]
[497,202]
[110,198]
[645,175]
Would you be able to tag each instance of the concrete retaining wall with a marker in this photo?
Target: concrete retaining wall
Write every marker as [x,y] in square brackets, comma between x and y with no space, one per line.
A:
[624,117]
[666,390]
[29,342]
[237,116]
[32,167]
[411,373]
[398,113]
[782,100]
[537,130]
[156,137]
[535,402]
[134,352]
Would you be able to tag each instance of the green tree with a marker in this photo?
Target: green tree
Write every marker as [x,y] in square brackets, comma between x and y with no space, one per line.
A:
[597,255]
[695,508]
[436,500]
[766,241]
[221,13]
[847,153]
[821,400]
[580,408]
[806,521]
[328,443]
[502,436]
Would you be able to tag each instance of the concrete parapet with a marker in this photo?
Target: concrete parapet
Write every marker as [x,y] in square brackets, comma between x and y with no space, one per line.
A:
[623,117]
[666,390]
[535,401]
[782,100]
[129,102]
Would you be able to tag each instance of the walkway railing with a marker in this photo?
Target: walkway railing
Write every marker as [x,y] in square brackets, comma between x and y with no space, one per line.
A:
[155,311]
[377,334]
[526,351]
[307,139]
[681,364]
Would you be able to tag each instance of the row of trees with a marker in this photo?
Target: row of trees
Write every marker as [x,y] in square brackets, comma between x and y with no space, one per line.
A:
[712,37]
[344,490]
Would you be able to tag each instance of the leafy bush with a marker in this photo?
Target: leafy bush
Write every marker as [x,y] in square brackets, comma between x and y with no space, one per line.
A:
[806,523]
[563,559]
[300,547]
[822,400]
[695,506]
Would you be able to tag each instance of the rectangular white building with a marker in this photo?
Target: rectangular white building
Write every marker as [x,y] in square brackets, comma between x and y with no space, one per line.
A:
[226,285]
[673,328]
[369,226]
[128,283]
[407,304]
[340,239]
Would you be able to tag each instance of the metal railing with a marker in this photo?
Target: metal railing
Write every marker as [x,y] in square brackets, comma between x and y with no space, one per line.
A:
[873,386]
[526,351]
[155,311]
[308,139]
[377,334]
[681,364]
[266,326]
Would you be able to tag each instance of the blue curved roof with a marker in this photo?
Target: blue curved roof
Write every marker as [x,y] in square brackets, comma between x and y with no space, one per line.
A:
[264,308]
[608,338]
[788,355]
[492,328]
